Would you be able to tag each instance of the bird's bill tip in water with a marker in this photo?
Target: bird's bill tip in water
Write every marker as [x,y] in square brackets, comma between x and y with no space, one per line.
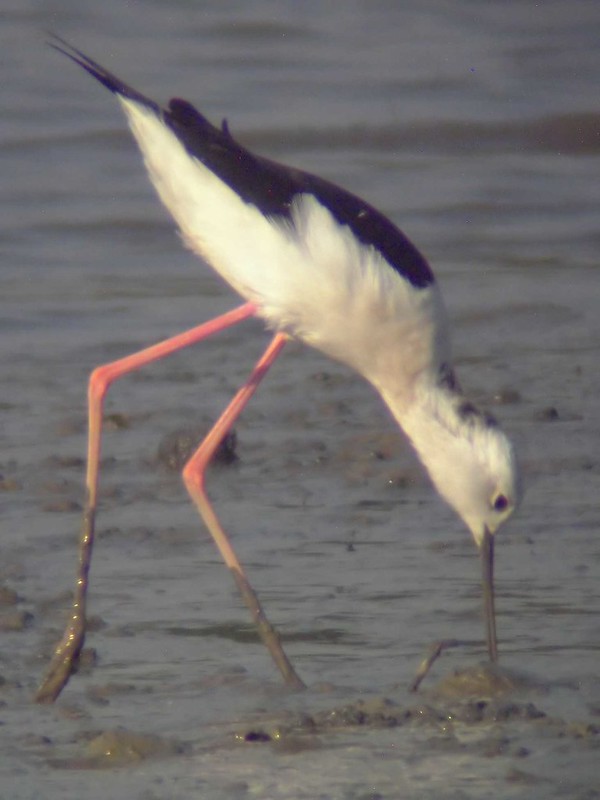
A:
[486,549]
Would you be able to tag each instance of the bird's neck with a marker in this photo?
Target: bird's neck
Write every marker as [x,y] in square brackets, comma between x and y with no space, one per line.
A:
[419,415]
[437,420]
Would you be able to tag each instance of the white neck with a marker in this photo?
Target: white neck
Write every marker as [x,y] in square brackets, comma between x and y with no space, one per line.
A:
[430,420]
[449,435]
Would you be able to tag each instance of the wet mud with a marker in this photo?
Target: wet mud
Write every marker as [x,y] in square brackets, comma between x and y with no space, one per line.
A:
[467,131]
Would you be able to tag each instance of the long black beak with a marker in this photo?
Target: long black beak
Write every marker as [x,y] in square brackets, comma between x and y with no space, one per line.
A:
[487,579]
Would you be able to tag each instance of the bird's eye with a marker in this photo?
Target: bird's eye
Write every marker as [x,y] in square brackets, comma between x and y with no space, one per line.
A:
[500,503]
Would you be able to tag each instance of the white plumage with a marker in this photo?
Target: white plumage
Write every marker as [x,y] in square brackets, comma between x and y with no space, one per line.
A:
[308,275]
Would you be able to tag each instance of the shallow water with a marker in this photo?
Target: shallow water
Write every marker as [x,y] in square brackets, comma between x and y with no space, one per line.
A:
[476,129]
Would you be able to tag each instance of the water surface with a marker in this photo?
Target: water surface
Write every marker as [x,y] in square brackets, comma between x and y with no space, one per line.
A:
[475,127]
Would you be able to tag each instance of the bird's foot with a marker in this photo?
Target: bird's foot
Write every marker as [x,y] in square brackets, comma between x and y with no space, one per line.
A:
[64,662]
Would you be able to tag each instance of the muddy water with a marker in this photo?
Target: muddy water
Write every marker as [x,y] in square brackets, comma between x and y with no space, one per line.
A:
[476,129]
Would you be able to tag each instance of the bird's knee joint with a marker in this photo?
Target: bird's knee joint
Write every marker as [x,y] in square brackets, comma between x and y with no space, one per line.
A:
[99,381]
[193,478]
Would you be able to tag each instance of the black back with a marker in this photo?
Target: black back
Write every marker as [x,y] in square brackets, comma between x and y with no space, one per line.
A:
[268,185]
[271,187]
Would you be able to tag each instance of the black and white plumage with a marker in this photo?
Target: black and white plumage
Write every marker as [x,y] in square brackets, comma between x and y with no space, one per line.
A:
[322,265]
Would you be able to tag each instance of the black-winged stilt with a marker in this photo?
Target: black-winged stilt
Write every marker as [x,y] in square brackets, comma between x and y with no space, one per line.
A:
[320,265]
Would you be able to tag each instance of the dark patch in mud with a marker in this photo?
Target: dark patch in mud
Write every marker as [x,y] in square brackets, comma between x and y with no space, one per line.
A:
[121,748]
[479,698]
[177,447]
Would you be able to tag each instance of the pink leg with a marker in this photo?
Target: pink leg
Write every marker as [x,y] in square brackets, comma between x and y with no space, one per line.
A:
[194,478]
[69,647]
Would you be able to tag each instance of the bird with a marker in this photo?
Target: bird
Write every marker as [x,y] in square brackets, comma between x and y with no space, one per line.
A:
[316,264]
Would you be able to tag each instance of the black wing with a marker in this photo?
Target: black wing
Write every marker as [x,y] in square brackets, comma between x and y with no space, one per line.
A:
[268,185]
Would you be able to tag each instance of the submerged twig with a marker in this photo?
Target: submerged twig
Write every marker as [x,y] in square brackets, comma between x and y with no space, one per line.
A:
[435,651]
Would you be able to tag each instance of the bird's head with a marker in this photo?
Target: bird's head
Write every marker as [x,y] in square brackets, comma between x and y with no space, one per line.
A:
[479,477]
[470,460]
